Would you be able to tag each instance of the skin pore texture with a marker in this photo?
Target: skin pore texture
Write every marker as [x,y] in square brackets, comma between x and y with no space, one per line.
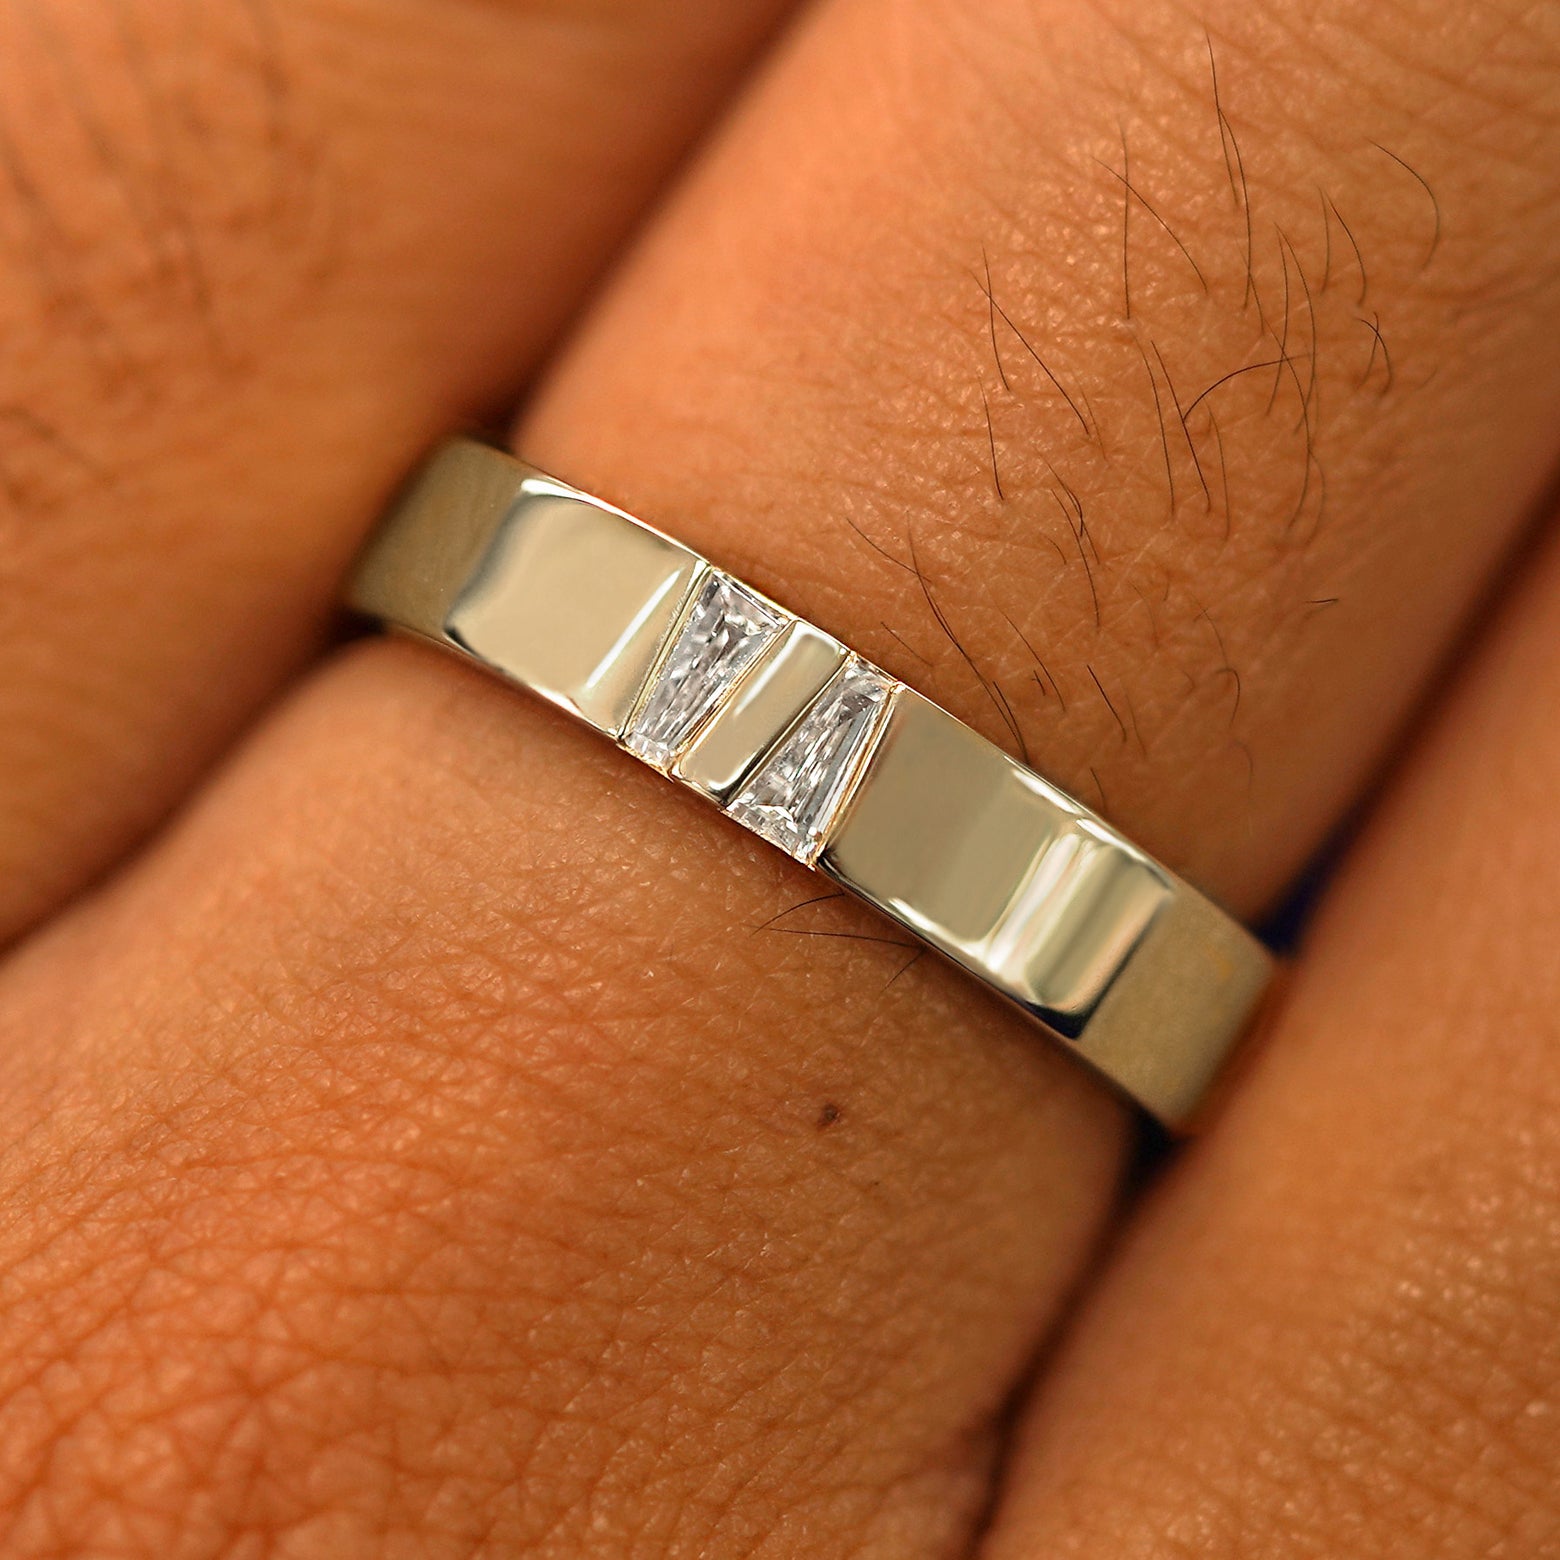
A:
[446,1139]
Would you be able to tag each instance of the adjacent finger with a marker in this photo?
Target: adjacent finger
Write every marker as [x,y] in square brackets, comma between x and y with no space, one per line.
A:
[254,257]
[1334,1329]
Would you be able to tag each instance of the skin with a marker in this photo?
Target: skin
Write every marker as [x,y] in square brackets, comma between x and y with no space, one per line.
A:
[294,208]
[445,1139]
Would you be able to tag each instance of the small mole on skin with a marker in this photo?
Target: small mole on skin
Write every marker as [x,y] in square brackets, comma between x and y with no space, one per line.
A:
[828,1116]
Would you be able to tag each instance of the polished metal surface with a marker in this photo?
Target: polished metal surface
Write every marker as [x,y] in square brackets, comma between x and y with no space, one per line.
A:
[763,706]
[573,603]
[827,757]
[993,867]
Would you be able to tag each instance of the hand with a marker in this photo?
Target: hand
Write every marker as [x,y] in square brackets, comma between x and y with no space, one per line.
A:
[442,1138]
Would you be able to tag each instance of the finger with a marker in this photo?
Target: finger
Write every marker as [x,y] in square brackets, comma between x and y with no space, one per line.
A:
[1334,1330]
[1185,496]
[746,1236]
[253,256]
[483,1161]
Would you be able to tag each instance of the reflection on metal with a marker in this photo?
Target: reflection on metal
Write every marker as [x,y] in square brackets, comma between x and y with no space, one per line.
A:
[993,867]
[573,604]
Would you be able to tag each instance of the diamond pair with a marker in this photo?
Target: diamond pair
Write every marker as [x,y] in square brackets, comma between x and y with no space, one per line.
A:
[802,774]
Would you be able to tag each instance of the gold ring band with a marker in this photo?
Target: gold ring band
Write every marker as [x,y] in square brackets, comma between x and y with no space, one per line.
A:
[829,758]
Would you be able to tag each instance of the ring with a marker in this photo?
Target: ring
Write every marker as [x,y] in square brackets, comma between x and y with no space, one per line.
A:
[826,756]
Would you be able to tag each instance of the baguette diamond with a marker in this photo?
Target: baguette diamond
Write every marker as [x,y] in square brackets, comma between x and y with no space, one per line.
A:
[727,630]
[792,798]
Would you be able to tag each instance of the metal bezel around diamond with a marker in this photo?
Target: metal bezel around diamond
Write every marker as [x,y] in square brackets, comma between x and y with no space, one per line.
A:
[724,631]
[794,795]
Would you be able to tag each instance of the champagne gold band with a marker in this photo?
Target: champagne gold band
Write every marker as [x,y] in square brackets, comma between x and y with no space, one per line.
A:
[829,758]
